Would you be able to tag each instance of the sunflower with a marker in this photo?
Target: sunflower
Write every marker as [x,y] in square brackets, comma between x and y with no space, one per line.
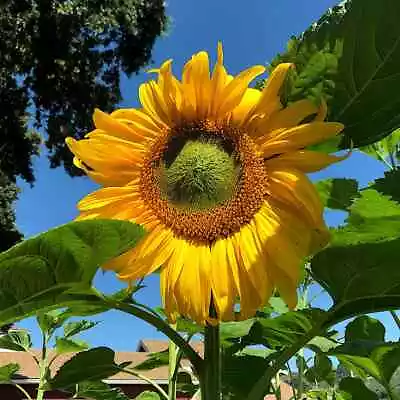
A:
[215,171]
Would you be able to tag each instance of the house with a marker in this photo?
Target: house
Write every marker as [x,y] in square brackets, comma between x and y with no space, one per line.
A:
[28,375]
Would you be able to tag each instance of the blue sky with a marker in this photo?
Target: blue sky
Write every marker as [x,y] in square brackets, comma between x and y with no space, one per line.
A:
[252,33]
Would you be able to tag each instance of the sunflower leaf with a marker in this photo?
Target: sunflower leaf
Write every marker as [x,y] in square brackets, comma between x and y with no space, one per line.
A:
[285,329]
[91,365]
[359,268]
[365,328]
[356,73]
[41,273]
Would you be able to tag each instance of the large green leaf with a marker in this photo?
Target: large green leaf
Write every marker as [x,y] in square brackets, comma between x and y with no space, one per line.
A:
[285,329]
[91,365]
[356,389]
[366,98]
[7,371]
[365,328]
[351,57]
[359,268]
[39,273]
[99,391]
[16,341]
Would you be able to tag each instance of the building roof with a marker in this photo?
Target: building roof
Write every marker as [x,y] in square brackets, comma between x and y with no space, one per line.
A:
[29,371]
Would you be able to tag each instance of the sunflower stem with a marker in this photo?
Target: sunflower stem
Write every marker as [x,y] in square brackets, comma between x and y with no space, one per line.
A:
[172,366]
[211,386]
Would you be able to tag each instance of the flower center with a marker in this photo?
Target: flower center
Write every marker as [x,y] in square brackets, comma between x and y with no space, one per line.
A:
[200,175]
[204,180]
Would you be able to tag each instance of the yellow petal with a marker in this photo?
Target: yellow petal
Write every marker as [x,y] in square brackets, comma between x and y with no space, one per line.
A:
[292,115]
[148,256]
[153,103]
[196,86]
[107,160]
[143,123]
[233,93]
[167,295]
[298,137]
[223,284]
[172,91]
[249,100]
[219,80]
[193,288]
[270,97]
[285,239]
[304,160]
[171,273]
[106,196]
[286,287]
[201,77]
[253,254]
[116,128]
[295,190]
[250,299]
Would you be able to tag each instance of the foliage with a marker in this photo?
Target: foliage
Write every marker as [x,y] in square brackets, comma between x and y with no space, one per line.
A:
[91,365]
[355,73]
[9,235]
[41,272]
[66,58]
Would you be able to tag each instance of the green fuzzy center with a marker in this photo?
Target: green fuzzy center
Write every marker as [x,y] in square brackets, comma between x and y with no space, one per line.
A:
[200,174]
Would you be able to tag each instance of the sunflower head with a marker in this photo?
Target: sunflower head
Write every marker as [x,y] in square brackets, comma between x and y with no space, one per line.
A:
[216,172]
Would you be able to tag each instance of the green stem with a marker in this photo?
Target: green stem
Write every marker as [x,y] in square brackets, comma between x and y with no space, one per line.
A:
[172,367]
[162,392]
[395,317]
[163,327]
[43,368]
[301,374]
[211,384]
[25,393]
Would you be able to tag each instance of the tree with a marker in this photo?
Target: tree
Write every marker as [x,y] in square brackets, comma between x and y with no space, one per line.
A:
[59,60]
[65,57]
[9,234]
